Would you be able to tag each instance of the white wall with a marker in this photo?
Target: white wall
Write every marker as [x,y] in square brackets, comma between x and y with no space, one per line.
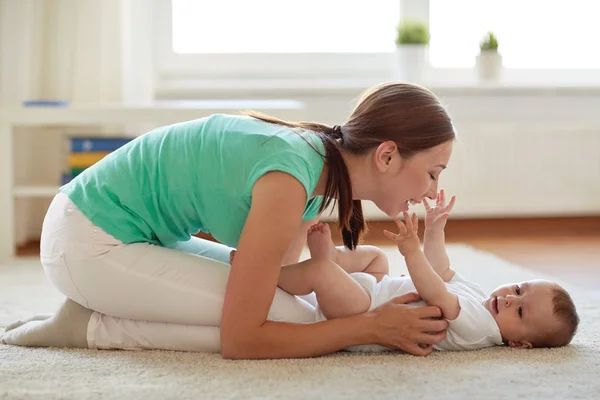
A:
[521,152]
[78,50]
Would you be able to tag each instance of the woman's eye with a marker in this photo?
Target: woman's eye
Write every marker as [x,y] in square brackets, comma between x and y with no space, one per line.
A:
[432,177]
[517,289]
[521,312]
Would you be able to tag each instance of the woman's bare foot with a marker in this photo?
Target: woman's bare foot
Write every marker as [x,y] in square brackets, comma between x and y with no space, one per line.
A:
[320,244]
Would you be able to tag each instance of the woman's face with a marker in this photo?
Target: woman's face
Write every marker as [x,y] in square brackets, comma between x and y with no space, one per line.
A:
[401,181]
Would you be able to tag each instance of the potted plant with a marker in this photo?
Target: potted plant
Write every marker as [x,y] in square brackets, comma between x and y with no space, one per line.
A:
[489,60]
[412,48]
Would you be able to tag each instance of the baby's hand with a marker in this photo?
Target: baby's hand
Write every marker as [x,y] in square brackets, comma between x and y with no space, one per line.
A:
[407,239]
[436,216]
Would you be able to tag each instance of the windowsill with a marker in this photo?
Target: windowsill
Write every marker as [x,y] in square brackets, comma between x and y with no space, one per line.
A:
[185,88]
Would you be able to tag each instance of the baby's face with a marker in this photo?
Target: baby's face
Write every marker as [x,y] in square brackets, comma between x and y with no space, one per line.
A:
[522,311]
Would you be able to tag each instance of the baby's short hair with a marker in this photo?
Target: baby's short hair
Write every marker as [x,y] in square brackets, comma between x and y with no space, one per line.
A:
[566,314]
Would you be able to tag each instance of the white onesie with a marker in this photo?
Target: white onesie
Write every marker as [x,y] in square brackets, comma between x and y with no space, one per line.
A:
[474,328]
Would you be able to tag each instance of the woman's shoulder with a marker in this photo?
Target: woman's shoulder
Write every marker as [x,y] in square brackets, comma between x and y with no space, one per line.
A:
[262,136]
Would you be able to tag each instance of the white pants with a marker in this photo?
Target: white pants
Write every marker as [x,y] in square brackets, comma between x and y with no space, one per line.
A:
[144,296]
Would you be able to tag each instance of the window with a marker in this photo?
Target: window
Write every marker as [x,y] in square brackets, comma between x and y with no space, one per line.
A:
[249,45]
[276,26]
[532,34]
[246,40]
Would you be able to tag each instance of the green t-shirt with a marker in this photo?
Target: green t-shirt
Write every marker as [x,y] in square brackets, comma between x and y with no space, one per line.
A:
[193,176]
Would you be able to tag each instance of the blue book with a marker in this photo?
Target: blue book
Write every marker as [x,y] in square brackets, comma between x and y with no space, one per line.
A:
[65,178]
[45,103]
[87,145]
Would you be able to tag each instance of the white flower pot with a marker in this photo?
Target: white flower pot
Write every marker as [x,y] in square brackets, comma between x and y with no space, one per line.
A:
[489,66]
[412,61]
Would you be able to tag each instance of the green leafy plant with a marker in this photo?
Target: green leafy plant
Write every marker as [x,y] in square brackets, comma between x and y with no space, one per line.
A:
[412,32]
[489,42]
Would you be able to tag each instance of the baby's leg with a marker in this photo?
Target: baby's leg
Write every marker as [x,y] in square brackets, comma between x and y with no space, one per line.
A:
[320,243]
[368,259]
[337,293]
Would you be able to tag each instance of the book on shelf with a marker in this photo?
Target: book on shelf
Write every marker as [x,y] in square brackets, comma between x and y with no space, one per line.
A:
[45,103]
[65,178]
[97,144]
[76,171]
[83,152]
[86,160]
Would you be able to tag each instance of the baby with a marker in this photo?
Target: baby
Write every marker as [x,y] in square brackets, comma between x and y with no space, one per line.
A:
[521,315]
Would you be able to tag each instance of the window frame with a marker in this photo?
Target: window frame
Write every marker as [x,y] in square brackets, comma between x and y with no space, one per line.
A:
[173,71]
[257,65]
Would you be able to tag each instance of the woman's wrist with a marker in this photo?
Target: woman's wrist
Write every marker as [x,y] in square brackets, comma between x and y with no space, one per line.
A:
[368,324]
[362,330]
[359,329]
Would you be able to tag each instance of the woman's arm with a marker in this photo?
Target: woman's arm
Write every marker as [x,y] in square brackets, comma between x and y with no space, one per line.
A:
[275,216]
[298,243]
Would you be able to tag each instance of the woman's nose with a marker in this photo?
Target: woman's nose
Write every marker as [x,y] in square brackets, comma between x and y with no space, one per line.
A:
[432,192]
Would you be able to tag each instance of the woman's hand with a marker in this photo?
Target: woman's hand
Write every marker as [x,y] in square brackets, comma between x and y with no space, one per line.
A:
[413,329]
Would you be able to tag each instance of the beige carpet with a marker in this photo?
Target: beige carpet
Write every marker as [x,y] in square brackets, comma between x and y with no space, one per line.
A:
[499,373]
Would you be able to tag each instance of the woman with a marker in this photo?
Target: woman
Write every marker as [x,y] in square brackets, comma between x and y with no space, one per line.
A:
[116,240]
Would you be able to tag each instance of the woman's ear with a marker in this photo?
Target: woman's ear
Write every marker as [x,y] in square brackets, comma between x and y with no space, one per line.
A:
[384,155]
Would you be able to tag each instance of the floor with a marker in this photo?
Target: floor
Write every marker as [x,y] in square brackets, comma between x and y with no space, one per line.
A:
[496,373]
[568,248]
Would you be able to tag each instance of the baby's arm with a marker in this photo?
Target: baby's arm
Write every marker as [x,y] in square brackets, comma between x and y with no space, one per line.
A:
[338,294]
[434,237]
[435,252]
[428,283]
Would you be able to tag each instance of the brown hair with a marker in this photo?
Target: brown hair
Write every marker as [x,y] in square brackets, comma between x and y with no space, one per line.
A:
[409,115]
[566,314]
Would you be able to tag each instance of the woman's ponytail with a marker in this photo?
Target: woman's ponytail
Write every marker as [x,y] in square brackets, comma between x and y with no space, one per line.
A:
[338,188]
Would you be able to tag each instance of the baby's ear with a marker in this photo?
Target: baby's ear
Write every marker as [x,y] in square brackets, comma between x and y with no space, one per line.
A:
[520,345]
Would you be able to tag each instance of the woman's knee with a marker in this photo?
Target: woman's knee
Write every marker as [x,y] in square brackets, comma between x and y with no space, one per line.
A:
[57,271]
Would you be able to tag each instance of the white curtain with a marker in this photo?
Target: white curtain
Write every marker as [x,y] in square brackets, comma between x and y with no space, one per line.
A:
[82,51]
[62,49]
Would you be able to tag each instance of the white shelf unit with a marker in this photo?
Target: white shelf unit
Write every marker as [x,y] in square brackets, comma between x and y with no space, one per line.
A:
[30,191]
[159,113]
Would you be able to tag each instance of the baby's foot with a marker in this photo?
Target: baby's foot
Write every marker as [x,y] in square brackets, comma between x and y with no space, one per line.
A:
[320,244]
